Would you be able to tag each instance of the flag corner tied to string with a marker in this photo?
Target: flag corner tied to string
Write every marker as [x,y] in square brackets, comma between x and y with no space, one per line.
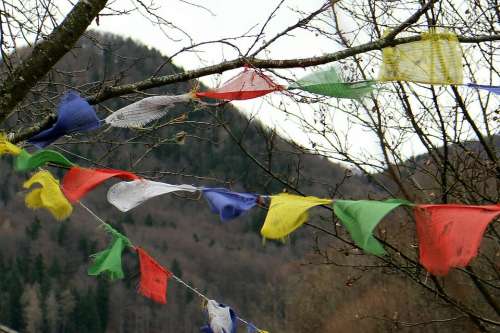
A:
[250,83]
[26,162]
[221,319]
[228,204]
[146,110]
[128,195]
[48,196]
[360,217]
[74,114]
[79,181]
[435,59]
[154,277]
[6,147]
[287,212]
[328,82]
[450,235]
[109,261]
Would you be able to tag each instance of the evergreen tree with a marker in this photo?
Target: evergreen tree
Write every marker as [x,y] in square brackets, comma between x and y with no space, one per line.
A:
[176,268]
[149,220]
[102,299]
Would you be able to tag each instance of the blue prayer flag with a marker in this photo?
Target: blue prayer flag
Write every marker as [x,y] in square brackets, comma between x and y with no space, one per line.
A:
[74,114]
[227,204]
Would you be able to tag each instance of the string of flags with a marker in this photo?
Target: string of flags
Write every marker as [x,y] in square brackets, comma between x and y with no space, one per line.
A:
[449,234]
[153,280]
[435,59]
[440,228]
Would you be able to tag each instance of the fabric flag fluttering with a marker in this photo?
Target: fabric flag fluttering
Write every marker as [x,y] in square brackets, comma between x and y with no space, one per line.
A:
[491,89]
[25,161]
[228,204]
[329,83]
[153,283]
[74,114]
[109,261]
[250,83]
[450,235]
[146,110]
[287,212]
[360,218]
[128,195]
[79,181]
[221,318]
[8,148]
[435,59]
[49,196]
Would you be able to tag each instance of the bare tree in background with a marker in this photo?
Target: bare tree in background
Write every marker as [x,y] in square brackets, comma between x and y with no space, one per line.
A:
[454,126]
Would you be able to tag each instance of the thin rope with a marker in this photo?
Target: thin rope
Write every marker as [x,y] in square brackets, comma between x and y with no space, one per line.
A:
[175,277]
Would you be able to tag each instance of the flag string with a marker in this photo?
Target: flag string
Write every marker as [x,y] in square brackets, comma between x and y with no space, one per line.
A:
[175,277]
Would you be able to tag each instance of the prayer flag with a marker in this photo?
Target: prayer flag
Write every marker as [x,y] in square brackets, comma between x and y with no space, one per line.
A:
[227,204]
[79,181]
[450,235]
[26,162]
[287,212]
[435,59]
[49,196]
[154,278]
[74,114]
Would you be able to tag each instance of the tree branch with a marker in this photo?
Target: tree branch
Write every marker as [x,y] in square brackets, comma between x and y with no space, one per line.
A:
[46,54]
[109,92]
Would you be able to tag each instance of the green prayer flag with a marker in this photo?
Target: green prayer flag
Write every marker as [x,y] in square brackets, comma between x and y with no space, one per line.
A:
[362,216]
[25,161]
[329,83]
[109,261]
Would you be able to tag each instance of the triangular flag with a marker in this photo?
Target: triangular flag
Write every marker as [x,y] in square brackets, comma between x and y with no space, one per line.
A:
[328,83]
[74,114]
[128,195]
[78,181]
[361,217]
[222,318]
[286,213]
[227,204]
[491,89]
[109,261]
[146,110]
[435,59]
[8,148]
[250,83]
[49,196]
[26,162]
[153,283]
[450,235]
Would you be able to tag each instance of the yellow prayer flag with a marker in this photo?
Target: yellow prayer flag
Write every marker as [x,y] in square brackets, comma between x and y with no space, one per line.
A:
[286,213]
[435,59]
[8,148]
[49,196]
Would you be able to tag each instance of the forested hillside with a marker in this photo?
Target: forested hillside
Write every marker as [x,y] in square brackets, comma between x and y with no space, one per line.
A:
[310,283]
[43,280]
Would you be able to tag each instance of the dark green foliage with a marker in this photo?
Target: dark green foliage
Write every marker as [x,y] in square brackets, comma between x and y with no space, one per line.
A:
[176,268]
[33,230]
[149,220]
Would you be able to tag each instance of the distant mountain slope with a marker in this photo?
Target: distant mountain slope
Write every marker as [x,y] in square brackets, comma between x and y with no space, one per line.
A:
[43,280]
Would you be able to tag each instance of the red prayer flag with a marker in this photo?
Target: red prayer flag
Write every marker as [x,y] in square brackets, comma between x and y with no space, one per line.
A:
[78,181]
[154,278]
[450,235]
[248,84]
